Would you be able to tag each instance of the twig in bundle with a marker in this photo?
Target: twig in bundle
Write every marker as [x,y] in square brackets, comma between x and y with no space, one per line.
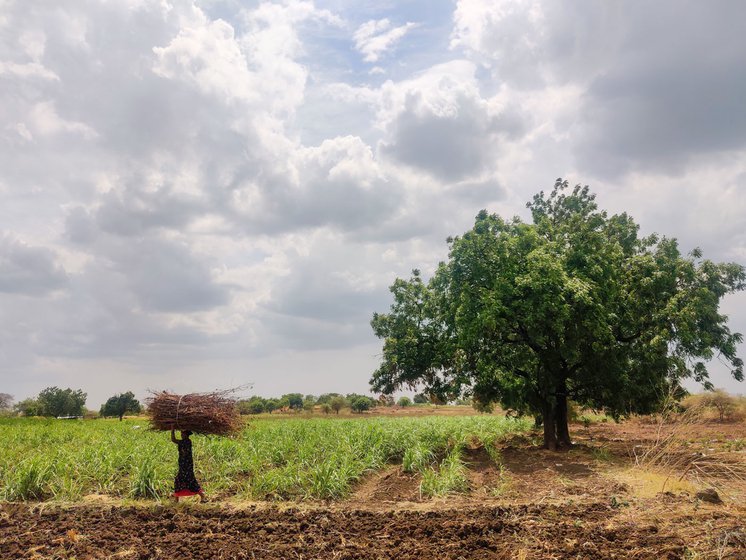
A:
[204,413]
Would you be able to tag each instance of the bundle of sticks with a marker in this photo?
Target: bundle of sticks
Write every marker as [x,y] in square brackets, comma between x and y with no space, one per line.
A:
[201,413]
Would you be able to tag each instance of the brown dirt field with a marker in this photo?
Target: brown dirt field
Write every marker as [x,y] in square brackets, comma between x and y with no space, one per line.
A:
[592,530]
[585,503]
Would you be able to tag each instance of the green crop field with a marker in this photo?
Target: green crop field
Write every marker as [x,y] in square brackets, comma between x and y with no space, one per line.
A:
[271,459]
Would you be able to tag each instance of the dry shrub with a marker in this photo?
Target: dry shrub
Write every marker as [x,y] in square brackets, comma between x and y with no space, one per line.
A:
[717,405]
[201,413]
[671,456]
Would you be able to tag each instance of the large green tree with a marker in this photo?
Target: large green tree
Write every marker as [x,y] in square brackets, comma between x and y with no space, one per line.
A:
[574,305]
[54,401]
[121,404]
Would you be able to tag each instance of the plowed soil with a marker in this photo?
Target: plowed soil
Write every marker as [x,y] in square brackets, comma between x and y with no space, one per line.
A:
[550,531]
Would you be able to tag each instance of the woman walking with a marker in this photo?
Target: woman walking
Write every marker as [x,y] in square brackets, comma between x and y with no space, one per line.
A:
[185,483]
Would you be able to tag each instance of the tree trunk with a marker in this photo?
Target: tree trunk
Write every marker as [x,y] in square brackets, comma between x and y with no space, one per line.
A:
[121,416]
[550,427]
[563,430]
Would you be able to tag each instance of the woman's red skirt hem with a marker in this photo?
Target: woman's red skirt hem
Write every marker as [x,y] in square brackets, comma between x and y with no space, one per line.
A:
[185,493]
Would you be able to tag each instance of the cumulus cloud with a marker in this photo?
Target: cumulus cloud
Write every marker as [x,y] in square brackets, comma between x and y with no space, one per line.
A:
[211,183]
[375,37]
[440,122]
[651,75]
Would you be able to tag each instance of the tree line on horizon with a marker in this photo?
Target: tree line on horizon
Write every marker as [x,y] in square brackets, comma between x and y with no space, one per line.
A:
[57,402]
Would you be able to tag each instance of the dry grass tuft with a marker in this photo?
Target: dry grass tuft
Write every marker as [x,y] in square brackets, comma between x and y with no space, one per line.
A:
[671,458]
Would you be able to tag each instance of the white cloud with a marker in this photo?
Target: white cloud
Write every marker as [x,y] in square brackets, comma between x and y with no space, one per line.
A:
[375,37]
[206,187]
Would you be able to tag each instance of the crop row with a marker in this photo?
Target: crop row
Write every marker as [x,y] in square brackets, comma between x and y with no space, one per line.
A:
[288,459]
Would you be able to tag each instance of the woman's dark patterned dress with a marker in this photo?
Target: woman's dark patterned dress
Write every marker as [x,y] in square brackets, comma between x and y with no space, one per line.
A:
[185,479]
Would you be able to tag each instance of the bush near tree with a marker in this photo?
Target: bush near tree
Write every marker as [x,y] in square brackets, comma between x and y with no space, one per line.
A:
[404,401]
[27,407]
[572,305]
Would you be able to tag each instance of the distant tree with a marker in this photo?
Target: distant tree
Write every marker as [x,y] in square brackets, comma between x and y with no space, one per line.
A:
[6,401]
[326,408]
[28,407]
[308,403]
[573,305]
[404,401]
[54,401]
[254,405]
[121,404]
[270,405]
[294,400]
[327,398]
[360,404]
[338,403]
[721,401]
[354,396]
[421,398]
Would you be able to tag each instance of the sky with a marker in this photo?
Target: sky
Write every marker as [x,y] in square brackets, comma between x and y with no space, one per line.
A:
[203,194]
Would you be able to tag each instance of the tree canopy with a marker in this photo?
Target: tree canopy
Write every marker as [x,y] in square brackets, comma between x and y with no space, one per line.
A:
[574,305]
[121,404]
[54,401]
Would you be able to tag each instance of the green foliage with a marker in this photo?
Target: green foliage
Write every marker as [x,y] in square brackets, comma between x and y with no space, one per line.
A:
[293,400]
[326,408]
[54,401]
[338,403]
[450,476]
[404,401]
[29,480]
[254,405]
[121,404]
[309,402]
[326,398]
[28,407]
[417,457]
[145,482]
[360,404]
[421,398]
[574,305]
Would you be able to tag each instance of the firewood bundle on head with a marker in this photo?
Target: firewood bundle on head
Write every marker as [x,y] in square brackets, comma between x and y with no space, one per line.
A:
[201,413]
